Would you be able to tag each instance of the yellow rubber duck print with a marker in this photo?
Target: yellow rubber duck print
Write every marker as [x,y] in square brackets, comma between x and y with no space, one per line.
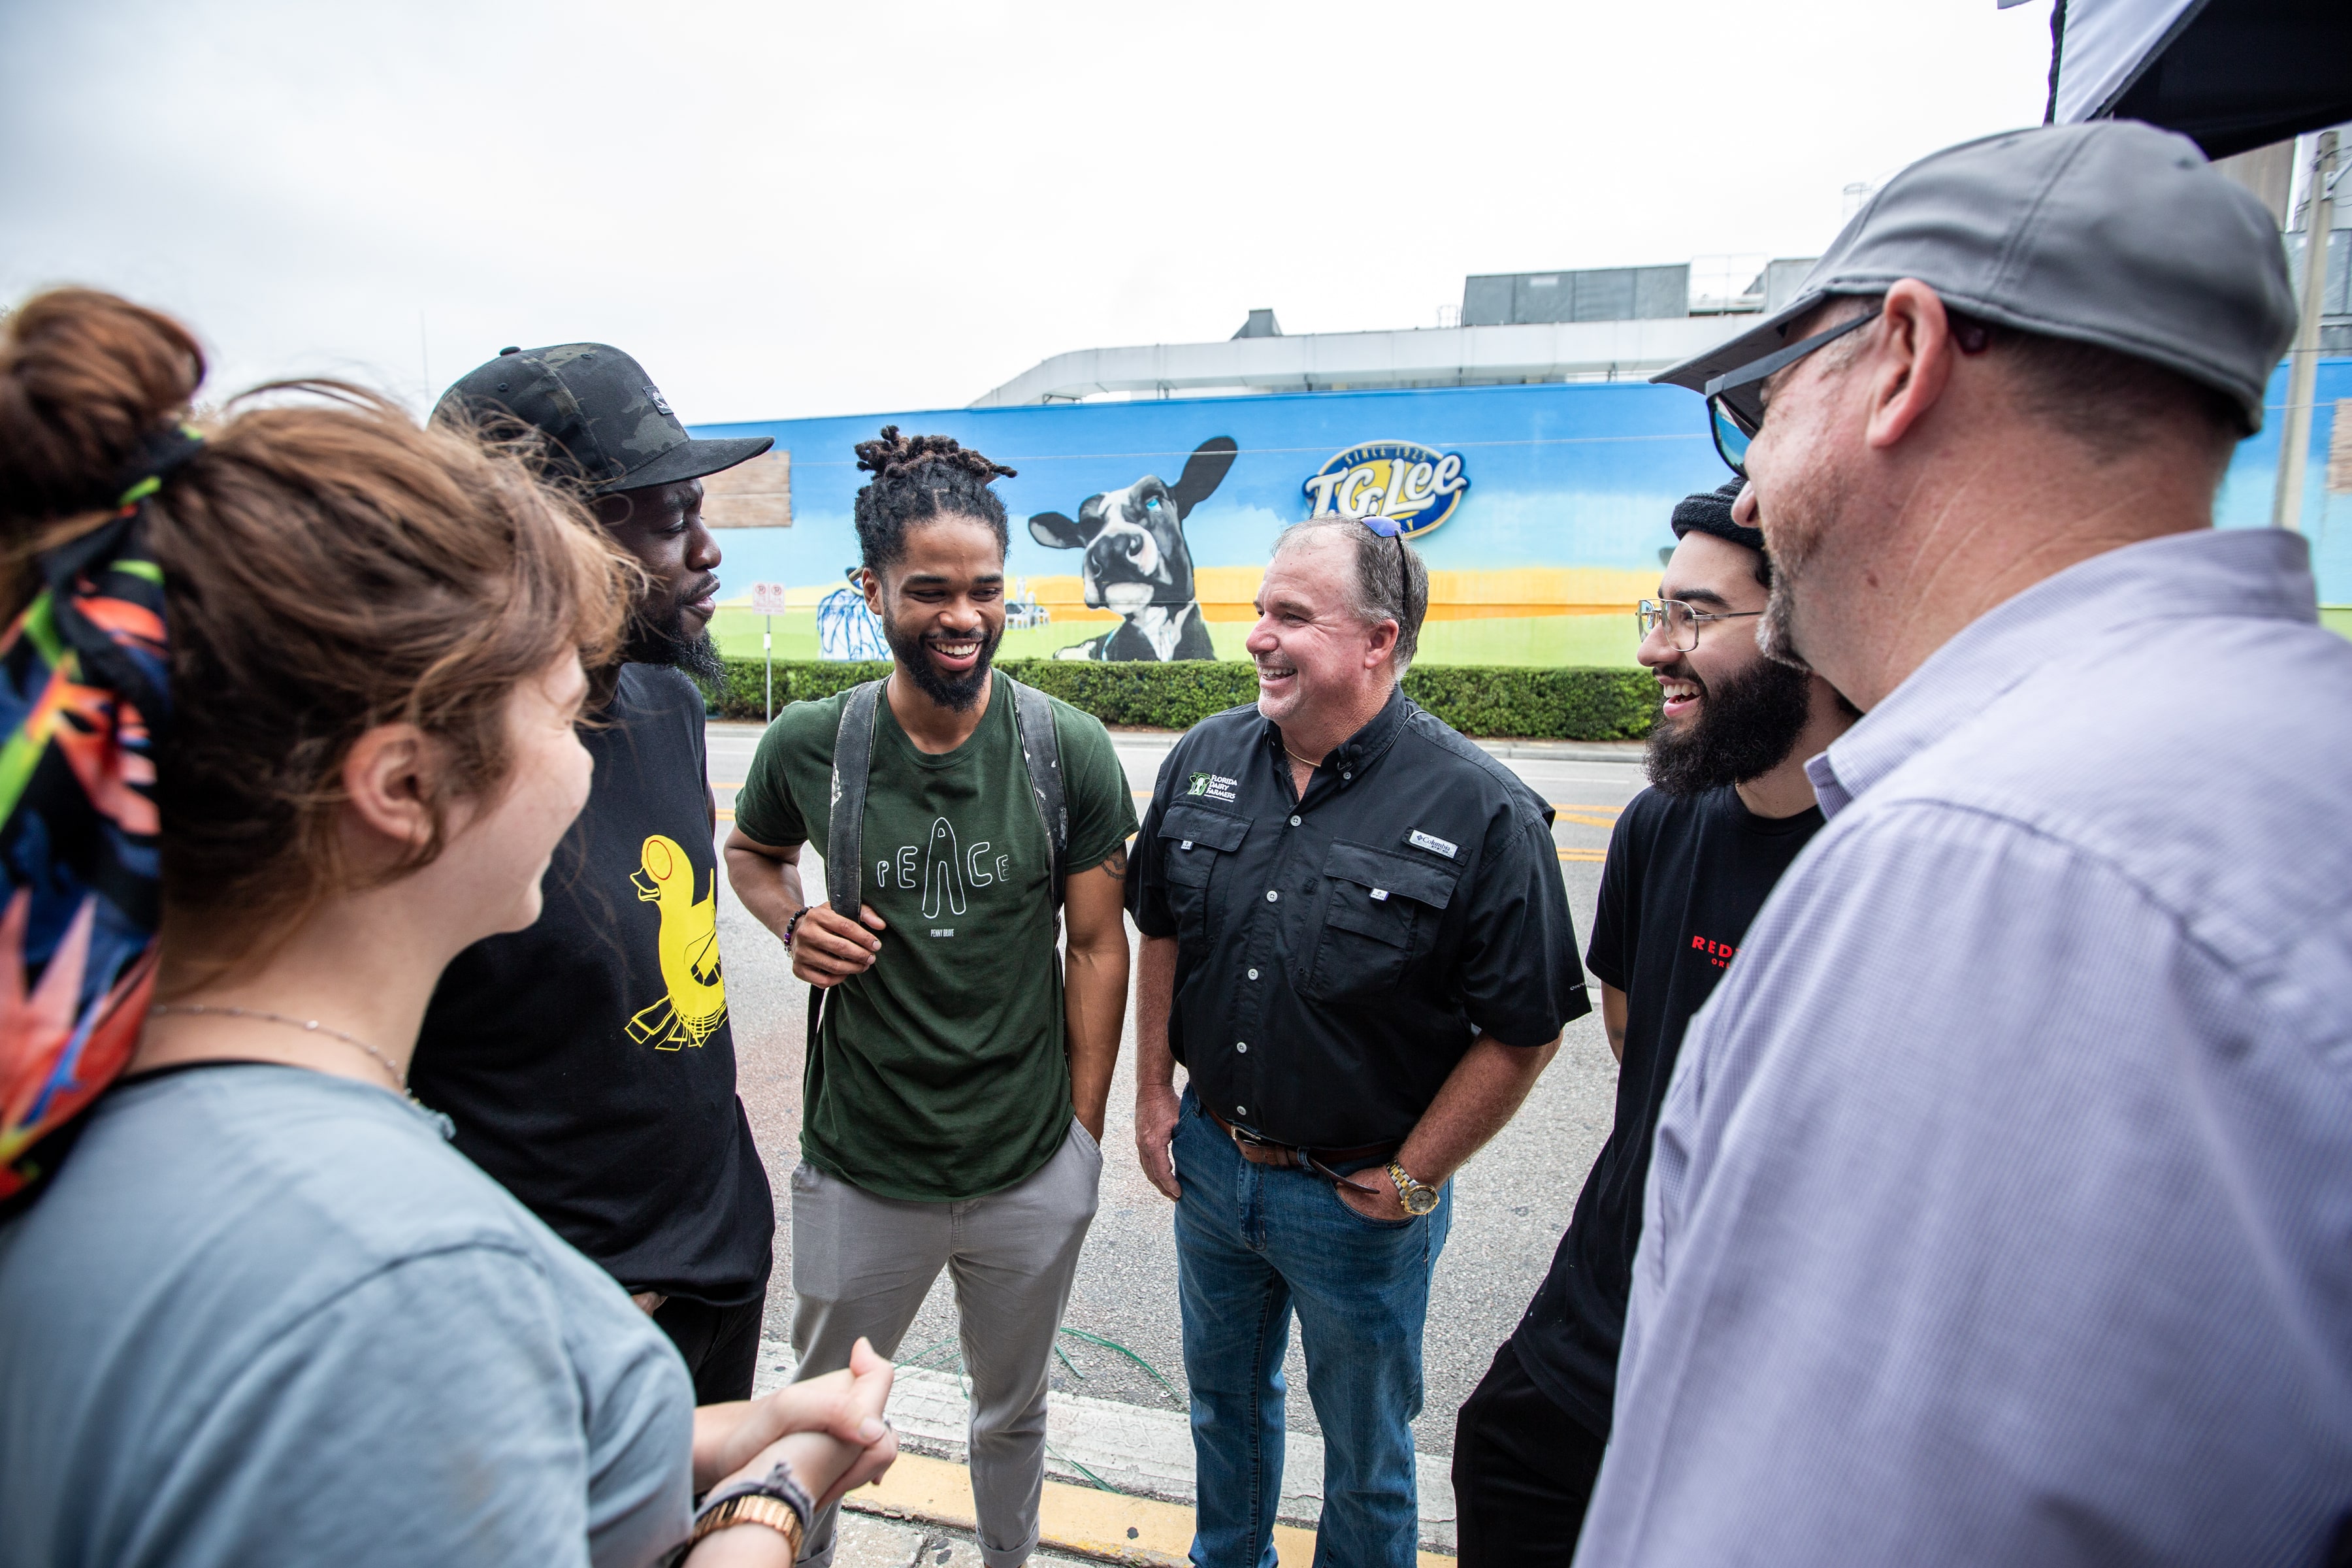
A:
[689,948]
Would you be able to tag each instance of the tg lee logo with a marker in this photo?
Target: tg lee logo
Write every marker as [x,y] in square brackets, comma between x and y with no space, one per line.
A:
[1415,487]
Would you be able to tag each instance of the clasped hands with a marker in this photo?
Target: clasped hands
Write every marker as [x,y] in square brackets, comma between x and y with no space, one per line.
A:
[829,1429]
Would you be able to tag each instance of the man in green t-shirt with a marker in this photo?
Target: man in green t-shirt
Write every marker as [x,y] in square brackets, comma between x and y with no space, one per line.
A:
[953,1100]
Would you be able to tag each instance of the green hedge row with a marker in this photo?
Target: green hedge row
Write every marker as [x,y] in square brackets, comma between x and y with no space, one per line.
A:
[1551,704]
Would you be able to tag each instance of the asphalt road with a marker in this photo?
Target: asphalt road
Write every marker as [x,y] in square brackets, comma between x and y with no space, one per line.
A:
[1511,1201]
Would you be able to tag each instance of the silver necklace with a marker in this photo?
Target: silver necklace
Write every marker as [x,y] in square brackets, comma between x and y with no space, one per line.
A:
[307,1026]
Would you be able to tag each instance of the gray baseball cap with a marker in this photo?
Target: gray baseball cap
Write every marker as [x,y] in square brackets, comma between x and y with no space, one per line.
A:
[2112,232]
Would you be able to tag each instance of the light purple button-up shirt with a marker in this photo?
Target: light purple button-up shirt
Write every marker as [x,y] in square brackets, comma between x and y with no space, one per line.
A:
[2001,1206]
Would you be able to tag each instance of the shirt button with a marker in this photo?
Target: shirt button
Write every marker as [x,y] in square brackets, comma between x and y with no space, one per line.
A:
[1272,897]
[1240,1110]
[1348,775]
[1242,1045]
[1253,974]
[1293,822]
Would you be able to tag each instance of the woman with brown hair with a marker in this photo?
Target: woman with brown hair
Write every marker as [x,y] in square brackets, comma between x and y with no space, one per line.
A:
[287,712]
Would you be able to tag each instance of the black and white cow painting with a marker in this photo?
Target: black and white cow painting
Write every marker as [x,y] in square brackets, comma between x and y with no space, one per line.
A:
[1136,561]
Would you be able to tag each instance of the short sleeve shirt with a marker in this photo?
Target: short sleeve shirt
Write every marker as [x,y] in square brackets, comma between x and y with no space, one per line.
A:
[587,1060]
[939,1073]
[269,1316]
[1684,876]
[1338,953]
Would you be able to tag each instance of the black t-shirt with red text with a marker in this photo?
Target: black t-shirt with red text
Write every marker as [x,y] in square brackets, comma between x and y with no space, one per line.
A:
[1684,876]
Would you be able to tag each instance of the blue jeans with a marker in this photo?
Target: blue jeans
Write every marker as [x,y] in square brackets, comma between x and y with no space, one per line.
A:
[1254,1243]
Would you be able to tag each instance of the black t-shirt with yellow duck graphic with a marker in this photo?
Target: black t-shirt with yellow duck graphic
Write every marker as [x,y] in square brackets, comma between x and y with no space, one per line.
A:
[587,1061]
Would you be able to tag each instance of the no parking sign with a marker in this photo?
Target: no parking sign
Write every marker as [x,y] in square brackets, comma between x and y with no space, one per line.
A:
[768,599]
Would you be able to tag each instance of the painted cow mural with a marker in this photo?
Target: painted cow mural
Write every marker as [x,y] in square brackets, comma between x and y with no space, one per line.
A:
[1136,562]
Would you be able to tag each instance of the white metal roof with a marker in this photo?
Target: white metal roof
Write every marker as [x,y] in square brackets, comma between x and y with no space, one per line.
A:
[1321,362]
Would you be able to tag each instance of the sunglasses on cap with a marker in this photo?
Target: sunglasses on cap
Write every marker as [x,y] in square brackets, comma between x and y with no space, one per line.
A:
[1735,404]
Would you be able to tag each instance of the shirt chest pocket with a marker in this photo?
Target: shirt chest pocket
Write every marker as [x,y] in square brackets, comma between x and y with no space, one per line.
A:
[1381,912]
[1193,842]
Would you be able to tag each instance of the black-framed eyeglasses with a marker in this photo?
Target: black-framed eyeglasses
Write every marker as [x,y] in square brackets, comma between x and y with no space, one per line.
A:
[1681,620]
[1389,528]
[1735,406]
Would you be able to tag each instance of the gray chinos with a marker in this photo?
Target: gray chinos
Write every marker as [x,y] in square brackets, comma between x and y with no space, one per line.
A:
[861,1266]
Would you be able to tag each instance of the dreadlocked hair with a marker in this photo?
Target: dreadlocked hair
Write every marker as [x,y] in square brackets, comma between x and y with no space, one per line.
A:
[916,479]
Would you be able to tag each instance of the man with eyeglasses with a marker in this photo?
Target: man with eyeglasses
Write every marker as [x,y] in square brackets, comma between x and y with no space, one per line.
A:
[1356,940]
[1691,861]
[1998,1211]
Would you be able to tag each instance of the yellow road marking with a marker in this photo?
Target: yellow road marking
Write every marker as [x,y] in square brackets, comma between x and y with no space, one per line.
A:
[1140,1530]
[1594,855]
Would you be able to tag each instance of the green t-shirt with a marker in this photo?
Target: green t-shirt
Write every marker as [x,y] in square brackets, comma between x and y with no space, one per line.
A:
[941,1072]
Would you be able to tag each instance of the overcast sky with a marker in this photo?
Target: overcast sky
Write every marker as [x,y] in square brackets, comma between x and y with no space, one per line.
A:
[787,209]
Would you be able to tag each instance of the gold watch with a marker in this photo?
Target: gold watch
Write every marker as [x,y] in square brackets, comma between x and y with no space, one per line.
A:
[751,1508]
[1418,1199]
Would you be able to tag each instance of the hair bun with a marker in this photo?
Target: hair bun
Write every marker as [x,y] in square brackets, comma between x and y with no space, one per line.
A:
[86,379]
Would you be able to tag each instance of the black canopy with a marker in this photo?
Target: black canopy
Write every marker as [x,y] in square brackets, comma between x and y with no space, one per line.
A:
[2231,74]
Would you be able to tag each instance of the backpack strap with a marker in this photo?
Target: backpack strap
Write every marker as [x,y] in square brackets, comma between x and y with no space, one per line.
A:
[1041,748]
[844,848]
[853,760]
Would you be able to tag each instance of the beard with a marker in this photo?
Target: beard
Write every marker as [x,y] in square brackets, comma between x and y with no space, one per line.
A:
[1776,628]
[1746,726]
[958,693]
[1802,515]
[666,641]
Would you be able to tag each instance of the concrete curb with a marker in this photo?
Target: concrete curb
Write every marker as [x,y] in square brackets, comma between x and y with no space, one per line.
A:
[1138,1451]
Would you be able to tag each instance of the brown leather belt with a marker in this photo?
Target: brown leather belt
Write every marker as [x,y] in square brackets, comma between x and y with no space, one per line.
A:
[1261,1150]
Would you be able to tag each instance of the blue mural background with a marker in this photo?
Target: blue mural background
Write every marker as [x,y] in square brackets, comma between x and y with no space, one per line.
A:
[1570,490]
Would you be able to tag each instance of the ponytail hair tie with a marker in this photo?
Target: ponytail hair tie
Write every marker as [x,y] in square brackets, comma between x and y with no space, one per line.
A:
[162,454]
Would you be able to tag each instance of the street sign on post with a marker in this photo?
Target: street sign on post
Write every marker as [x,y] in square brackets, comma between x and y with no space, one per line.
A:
[768,602]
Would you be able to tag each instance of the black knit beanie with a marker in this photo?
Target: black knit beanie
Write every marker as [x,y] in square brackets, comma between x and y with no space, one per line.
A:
[1710,511]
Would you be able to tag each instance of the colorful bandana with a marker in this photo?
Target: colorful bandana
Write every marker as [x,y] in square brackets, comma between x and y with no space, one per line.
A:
[83,690]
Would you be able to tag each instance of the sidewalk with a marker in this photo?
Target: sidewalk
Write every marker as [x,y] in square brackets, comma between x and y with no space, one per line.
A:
[1124,1471]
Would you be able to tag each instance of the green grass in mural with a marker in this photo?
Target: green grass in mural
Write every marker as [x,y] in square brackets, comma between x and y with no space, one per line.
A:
[1548,641]
[2336,618]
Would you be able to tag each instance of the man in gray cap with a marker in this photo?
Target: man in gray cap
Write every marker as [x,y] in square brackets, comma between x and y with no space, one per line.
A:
[586,1060]
[2001,1209]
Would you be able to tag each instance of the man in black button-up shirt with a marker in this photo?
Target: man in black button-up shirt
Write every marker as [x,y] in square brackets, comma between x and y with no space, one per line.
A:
[1356,940]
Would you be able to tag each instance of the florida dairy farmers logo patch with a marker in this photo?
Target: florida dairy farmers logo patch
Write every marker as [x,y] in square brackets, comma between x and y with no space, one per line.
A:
[1413,486]
[1215,786]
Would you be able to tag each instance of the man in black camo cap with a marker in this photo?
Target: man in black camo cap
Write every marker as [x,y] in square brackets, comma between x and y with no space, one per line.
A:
[587,1061]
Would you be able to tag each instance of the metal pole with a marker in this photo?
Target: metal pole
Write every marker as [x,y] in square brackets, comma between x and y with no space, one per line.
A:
[2303,369]
[768,648]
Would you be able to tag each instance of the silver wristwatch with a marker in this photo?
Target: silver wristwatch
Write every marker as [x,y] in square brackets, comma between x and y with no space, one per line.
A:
[1417,1197]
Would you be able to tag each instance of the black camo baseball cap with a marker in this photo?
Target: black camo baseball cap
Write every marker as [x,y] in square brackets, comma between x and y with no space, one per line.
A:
[605,419]
[2112,232]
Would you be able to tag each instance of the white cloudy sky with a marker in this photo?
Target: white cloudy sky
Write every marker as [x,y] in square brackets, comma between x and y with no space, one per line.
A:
[788,209]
